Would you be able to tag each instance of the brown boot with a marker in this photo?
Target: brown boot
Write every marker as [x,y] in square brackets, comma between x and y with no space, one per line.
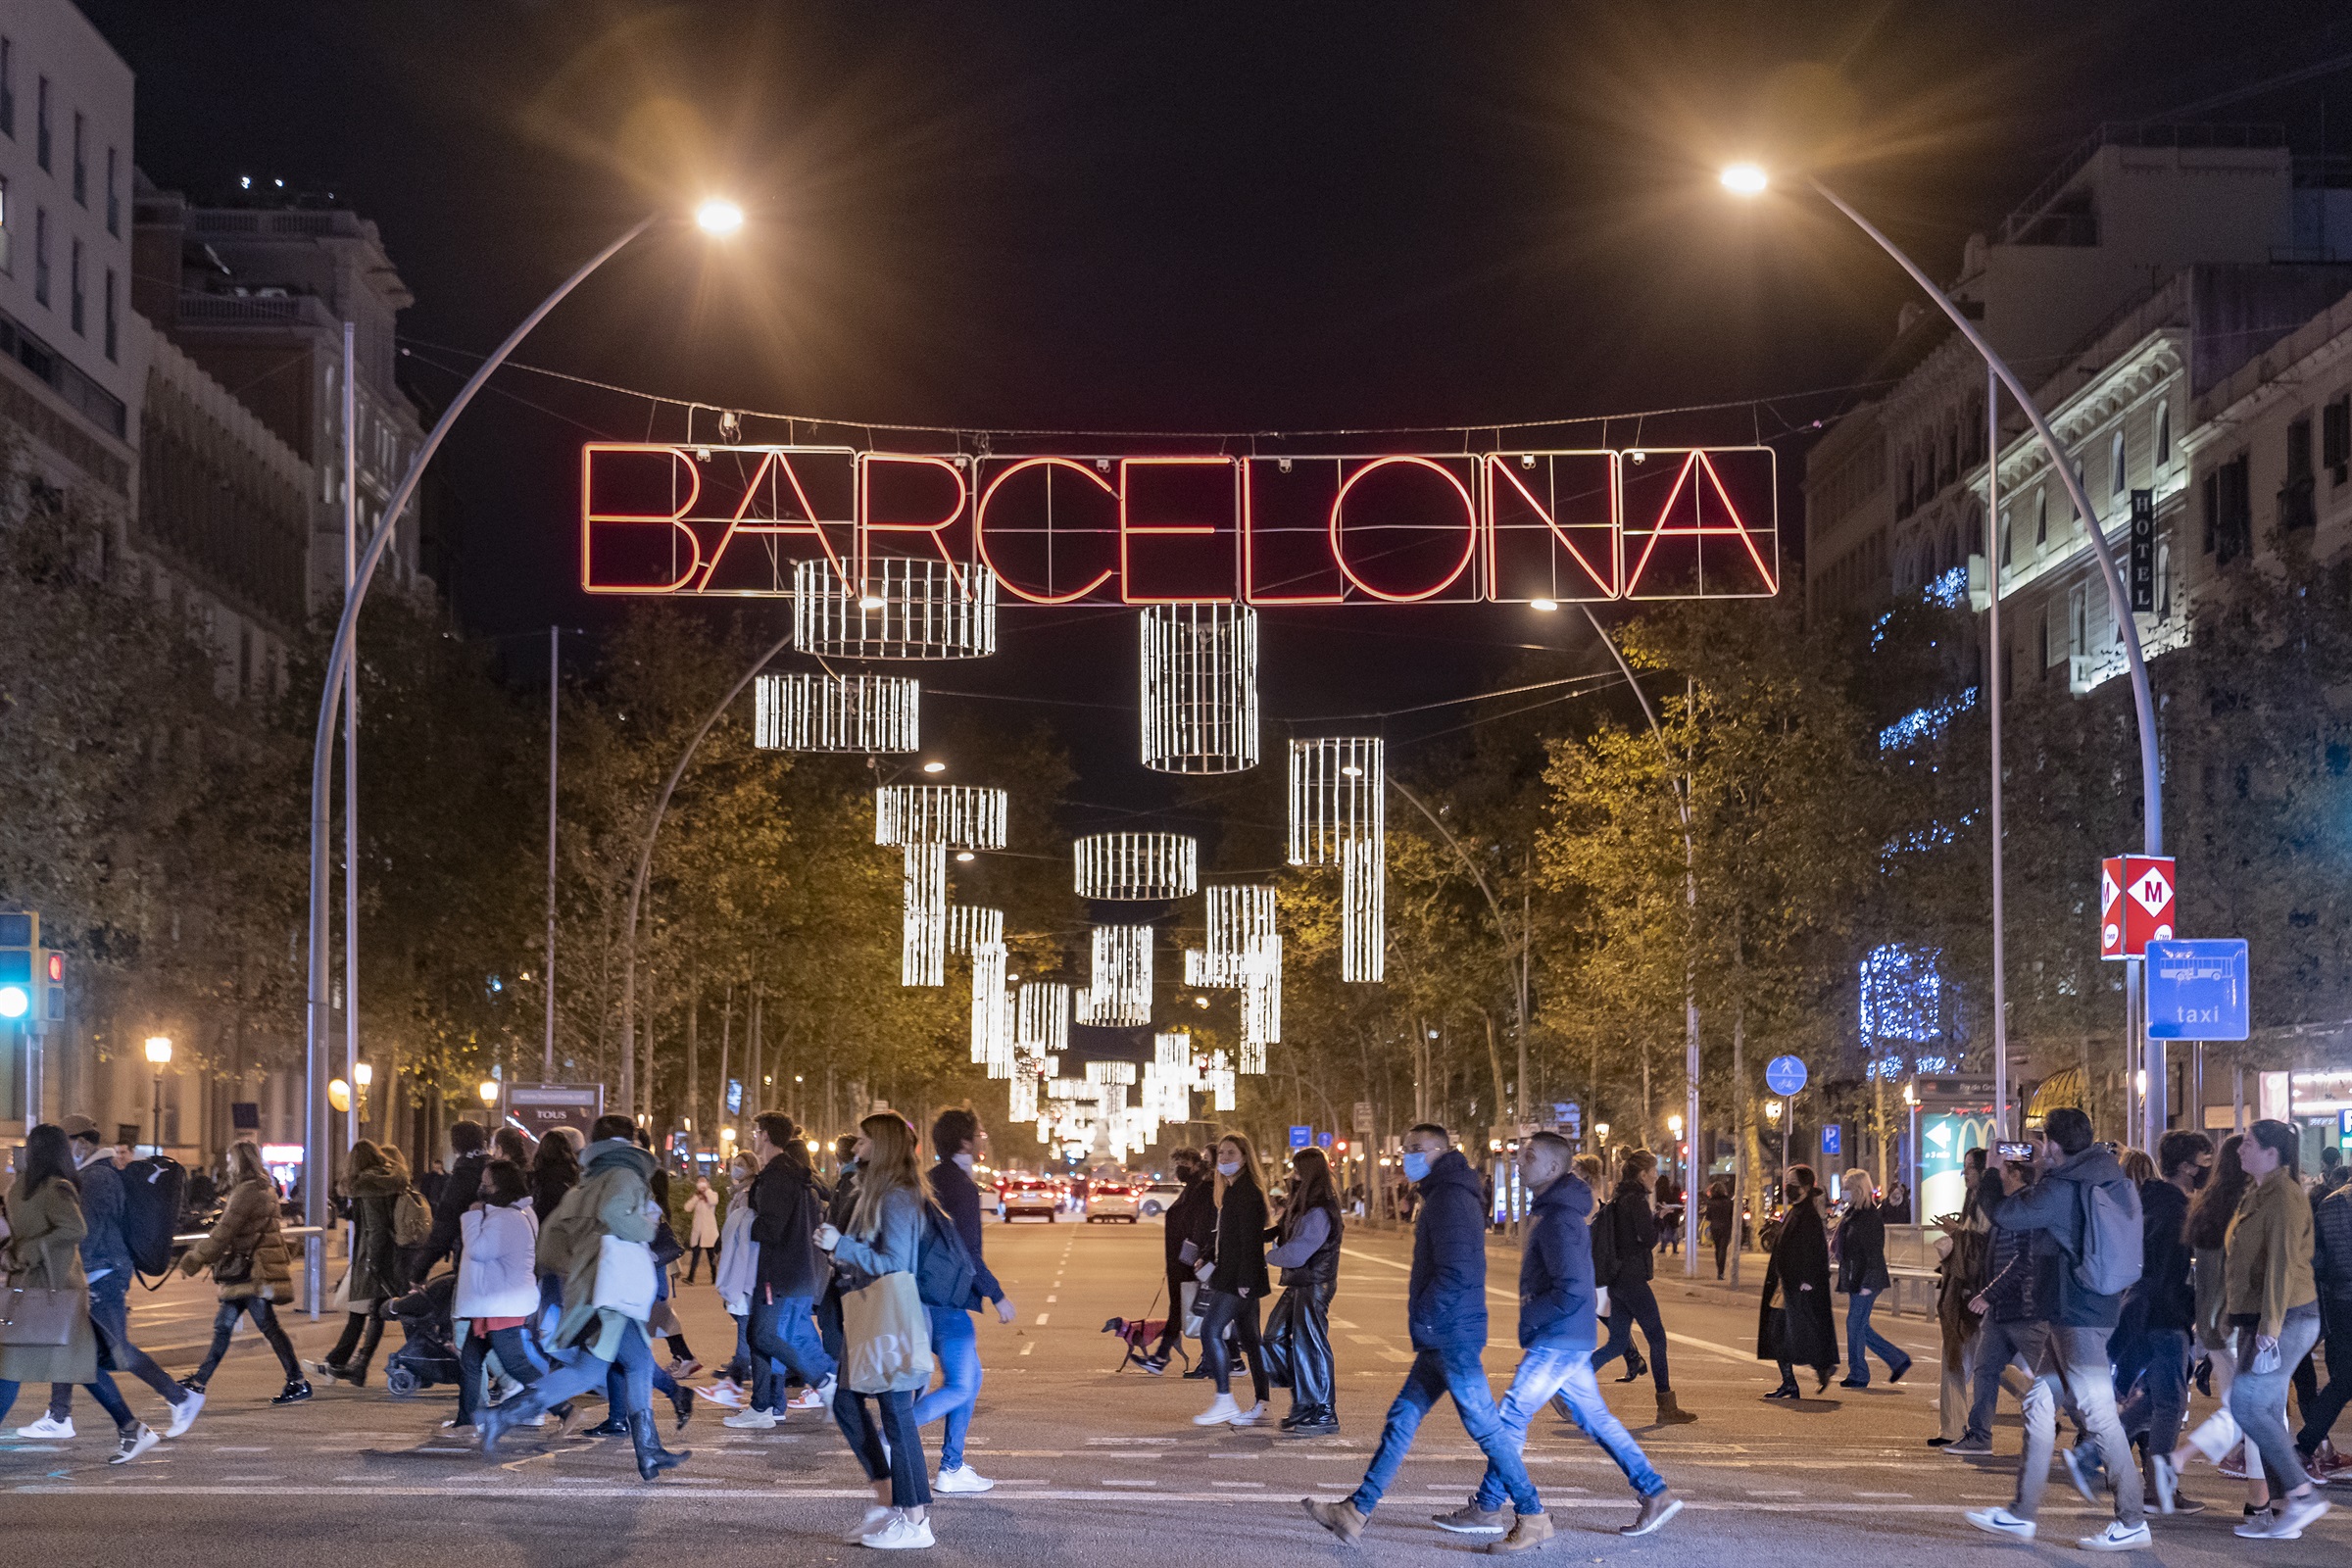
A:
[1339,1518]
[1670,1414]
[1528,1532]
[1656,1510]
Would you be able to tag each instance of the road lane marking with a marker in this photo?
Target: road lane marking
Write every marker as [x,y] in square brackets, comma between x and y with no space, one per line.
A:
[1031,1345]
[1041,1318]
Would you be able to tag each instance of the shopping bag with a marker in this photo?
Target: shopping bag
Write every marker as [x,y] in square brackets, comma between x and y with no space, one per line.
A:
[624,1277]
[887,1336]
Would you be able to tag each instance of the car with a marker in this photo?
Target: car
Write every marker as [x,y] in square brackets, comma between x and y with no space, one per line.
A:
[1157,1198]
[1112,1200]
[1026,1195]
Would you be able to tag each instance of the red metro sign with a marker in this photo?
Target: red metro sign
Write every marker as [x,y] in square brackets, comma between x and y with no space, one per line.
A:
[1500,527]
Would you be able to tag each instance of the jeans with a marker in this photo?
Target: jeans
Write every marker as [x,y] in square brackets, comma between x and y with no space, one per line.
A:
[1861,1337]
[579,1372]
[264,1318]
[2257,1399]
[515,1354]
[2077,1358]
[1224,1309]
[2153,1411]
[910,1484]
[782,1330]
[1630,1304]
[1454,1370]
[109,1314]
[2321,1413]
[2000,1347]
[108,1397]
[1566,1375]
[956,1343]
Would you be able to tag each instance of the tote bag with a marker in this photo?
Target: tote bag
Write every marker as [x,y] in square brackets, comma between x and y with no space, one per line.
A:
[624,1277]
[34,1316]
[888,1337]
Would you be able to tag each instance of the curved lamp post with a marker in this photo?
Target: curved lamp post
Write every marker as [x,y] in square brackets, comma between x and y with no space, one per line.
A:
[717,219]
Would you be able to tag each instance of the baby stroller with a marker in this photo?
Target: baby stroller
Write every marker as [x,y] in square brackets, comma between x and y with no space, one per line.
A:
[428,1354]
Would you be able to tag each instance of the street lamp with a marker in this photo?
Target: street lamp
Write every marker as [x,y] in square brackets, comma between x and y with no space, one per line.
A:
[489,1093]
[718,218]
[159,1052]
[1674,1155]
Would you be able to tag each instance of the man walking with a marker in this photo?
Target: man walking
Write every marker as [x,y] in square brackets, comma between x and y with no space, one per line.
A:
[2160,1311]
[1191,1223]
[1446,1307]
[105,1262]
[952,1338]
[1557,1324]
[2090,1209]
[788,1276]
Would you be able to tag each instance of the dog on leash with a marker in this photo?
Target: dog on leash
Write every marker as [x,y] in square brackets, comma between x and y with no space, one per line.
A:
[1135,1335]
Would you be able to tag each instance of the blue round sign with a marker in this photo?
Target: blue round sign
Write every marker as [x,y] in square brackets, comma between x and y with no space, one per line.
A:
[1785,1075]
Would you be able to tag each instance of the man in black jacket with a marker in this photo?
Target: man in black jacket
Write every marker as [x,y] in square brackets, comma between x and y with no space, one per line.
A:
[1192,1222]
[786,1205]
[460,1191]
[953,1339]
[2161,1311]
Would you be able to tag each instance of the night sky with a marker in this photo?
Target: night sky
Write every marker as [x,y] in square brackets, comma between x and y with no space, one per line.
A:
[1213,217]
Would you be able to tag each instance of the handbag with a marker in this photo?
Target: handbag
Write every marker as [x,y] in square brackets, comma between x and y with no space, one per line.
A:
[887,1336]
[35,1315]
[233,1268]
[1192,1308]
[624,1277]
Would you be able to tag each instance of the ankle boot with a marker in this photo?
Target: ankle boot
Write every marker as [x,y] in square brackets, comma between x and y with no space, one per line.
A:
[1635,1367]
[615,1425]
[1670,1414]
[651,1457]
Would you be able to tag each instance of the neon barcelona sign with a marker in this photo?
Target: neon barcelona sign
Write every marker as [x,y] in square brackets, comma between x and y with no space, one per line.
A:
[1458,527]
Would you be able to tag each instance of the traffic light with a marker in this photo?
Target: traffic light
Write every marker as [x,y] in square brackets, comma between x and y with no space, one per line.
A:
[53,971]
[19,961]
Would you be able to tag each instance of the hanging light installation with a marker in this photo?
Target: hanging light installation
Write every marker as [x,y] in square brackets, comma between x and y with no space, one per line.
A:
[1137,867]
[1042,1019]
[971,926]
[1203,971]
[1199,706]
[1020,1098]
[1336,791]
[900,608]
[992,1017]
[1172,1050]
[1239,916]
[1112,1073]
[923,917]
[1120,995]
[1261,1002]
[828,713]
[954,816]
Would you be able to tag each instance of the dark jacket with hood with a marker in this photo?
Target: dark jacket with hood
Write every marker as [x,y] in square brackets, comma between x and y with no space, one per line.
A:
[2055,1205]
[1625,1238]
[787,1208]
[1446,1298]
[2165,1301]
[459,1193]
[104,1247]
[1556,1293]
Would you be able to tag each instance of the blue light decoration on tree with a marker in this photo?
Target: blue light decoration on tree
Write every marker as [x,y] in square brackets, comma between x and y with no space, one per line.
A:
[1903,1005]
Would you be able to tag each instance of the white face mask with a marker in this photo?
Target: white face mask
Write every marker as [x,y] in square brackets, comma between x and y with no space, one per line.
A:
[964,1159]
[1228,1171]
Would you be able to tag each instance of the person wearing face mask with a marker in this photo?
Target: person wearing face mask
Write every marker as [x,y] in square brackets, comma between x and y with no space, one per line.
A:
[1801,1330]
[953,1339]
[1445,1309]
[1190,1232]
[1235,1280]
[787,1206]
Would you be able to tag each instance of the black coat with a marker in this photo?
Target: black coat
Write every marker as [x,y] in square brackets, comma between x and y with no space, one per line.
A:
[2166,1296]
[458,1195]
[1193,1218]
[1625,1239]
[1862,1250]
[786,1210]
[1803,1333]
[1241,1240]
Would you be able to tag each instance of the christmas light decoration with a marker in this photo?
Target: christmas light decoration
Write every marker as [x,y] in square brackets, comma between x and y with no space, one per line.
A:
[1120,996]
[1261,1002]
[1021,1099]
[828,713]
[1239,916]
[923,923]
[991,1020]
[1042,1019]
[1172,1050]
[971,926]
[1337,786]
[1137,867]
[1200,704]
[899,609]
[1111,1072]
[954,816]
[1201,971]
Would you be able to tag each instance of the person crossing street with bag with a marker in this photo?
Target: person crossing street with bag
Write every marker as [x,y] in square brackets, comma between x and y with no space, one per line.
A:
[1801,1330]
[387,1217]
[1189,1232]
[1296,1340]
[1234,1281]
[1624,1240]
[953,1339]
[252,1270]
[886,1334]
[46,1333]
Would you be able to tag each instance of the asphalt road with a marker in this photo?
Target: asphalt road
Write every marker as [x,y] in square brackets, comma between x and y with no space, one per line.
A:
[1095,1467]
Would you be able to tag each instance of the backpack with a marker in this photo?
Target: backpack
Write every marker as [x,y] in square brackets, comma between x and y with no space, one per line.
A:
[943,1268]
[412,1221]
[153,1191]
[2112,1239]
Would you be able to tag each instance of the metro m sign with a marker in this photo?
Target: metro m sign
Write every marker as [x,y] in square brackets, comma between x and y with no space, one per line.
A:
[1500,527]
[2137,894]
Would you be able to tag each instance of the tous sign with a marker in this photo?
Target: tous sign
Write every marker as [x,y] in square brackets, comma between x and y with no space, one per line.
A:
[1502,528]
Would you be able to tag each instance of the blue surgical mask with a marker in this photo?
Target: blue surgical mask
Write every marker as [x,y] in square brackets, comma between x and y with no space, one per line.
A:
[1229,1169]
[1416,1166]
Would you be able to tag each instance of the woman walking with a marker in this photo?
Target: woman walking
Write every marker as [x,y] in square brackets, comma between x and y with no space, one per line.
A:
[702,1229]
[498,1286]
[1306,1249]
[1624,1239]
[43,1255]
[2271,1302]
[1235,1279]
[1862,1275]
[251,1269]
[1722,1222]
[377,1184]
[1800,1330]
[734,1274]
[1964,1244]
[875,1256]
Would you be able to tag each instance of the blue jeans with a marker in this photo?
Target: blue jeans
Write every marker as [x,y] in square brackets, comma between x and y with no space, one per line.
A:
[109,1314]
[515,1354]
[956,1343]
[865,1432]
[108,1397]
[1454,1370]
[1546,1372]
[782,1330]
[579,1372]
[2257,1399]
[1860,1337]
[2154,1408]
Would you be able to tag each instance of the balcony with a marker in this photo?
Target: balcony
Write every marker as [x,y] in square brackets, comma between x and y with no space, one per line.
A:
[254,310]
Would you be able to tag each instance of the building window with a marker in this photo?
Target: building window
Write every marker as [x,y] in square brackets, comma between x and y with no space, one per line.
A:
[7,263]
[2335,439]
[114,193]
[2295,504]
[2164,579]
[2008,526]
[2228,511]
[113,321]
[2164,433]
[74,297]
[2115,463]
[40,255]
[40,125]
[81,159]
[2042,517]
[2078,620]
[7,88]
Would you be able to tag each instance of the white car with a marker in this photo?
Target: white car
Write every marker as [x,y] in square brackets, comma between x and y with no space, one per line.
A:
[1109,1200]
[1157,1198]
[1026,1195]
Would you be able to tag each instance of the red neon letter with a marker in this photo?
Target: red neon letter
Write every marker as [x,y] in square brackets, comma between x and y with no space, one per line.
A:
[1498,468]
[1339,550]
[591,520]
[770,466]
[980,526]
[1131,530]
[869,525]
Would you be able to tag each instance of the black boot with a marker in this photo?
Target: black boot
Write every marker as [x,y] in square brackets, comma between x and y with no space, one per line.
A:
[651,1457]
[1635,1367]
[681,1399]
[295,1391]
[614,1425]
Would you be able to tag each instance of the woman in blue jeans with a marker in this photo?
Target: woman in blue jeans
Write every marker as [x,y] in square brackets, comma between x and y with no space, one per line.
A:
[1862,1275]
[953,1339]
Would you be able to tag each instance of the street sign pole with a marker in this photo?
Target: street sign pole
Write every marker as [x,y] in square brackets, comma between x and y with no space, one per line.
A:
[2134,1039]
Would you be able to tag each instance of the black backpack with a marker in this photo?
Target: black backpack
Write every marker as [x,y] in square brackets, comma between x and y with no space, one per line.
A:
[943,1268]
[153,1191]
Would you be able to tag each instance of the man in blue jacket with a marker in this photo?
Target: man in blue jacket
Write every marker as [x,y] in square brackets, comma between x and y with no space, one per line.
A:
[1557,1322]
[1446,1307]
[953,1339]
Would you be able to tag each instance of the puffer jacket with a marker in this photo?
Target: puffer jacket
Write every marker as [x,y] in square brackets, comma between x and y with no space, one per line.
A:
[248,1224]
[738,1270]
[378,1271]
[496,1270]
[1445,1295]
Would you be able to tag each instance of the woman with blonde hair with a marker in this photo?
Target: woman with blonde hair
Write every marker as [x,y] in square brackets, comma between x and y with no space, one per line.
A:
[1862,1275]
[1235,1280]
[251,1269]
[882,1240]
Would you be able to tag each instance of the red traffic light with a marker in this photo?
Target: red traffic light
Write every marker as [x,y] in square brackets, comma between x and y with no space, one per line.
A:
[57,968]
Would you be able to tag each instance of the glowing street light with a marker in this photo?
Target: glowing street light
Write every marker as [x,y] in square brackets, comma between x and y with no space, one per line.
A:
[718,218]
[159,1052]
[1745,179]
[1543,606]
[935,766]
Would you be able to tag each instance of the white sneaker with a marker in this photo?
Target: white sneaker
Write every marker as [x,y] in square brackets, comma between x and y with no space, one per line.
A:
[2168,1480]
[1251,1417]
[2293,1515]
[134,1443]
[726,1395]
[900,1533]
[752,1420]
[502,1389]
[2001,1522]
[48,1426]
[1218,1414]
[183,1415]
[964,1477]
[2119,1536]
[815,1399]
[876,1517]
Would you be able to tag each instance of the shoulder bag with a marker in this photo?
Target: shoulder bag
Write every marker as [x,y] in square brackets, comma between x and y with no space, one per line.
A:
[34,1315]
[888,1337]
